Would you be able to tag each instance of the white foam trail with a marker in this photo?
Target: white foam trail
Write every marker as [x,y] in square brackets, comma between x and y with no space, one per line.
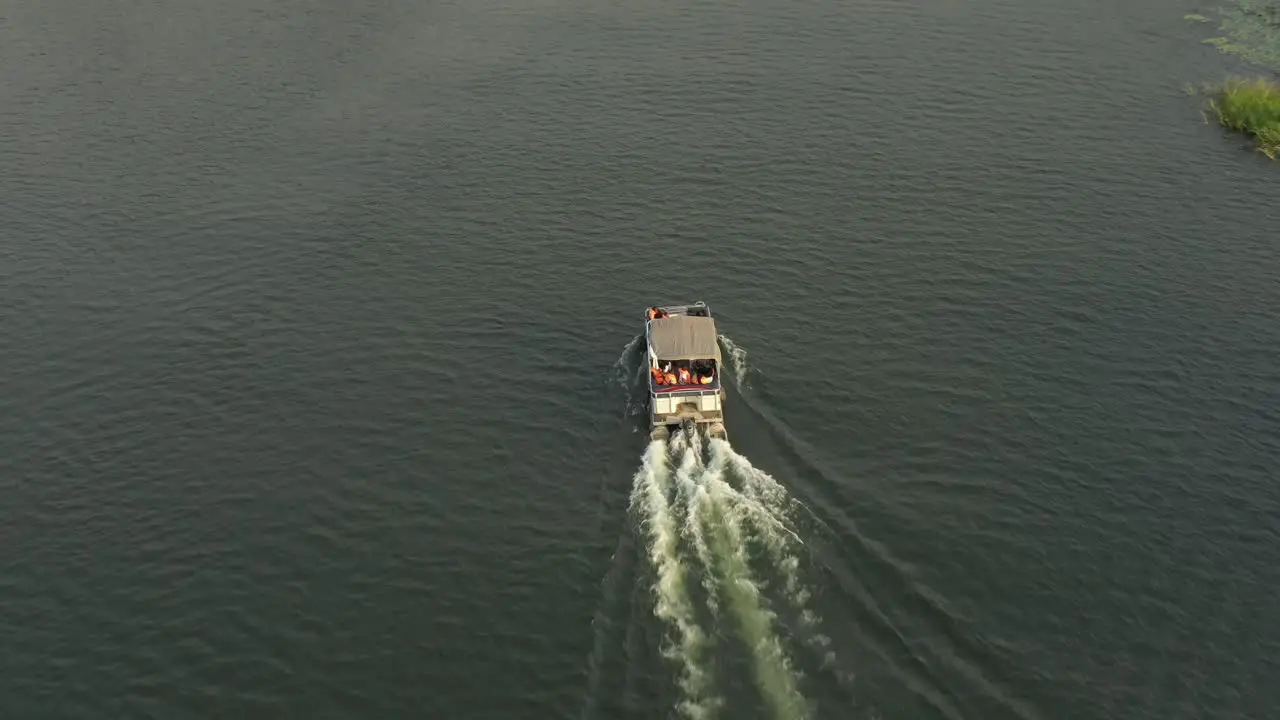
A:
[737,361]
[679,441]
[705,518]
[722,515]
[766,505]
[763,503]
[650,492]
[692,495]
[755,480]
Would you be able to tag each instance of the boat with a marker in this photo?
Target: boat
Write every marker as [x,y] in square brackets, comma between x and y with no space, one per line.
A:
[680,339]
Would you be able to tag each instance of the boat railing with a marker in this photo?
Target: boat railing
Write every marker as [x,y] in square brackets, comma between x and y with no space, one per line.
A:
[698,309]
[685,391]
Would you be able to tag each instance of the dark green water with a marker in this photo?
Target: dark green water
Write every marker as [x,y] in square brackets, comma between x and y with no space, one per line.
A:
[310,312]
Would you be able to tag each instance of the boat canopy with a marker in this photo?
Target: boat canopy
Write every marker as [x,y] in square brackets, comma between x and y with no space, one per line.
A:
[684,337]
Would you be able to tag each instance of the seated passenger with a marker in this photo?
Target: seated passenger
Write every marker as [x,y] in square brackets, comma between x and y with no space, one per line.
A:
[684,376]
[658,377]
[706,377]
[671,378]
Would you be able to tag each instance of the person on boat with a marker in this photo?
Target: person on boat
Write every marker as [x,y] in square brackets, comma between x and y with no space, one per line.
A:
[684,376]
[658,377]
[670,377]
[657,313]
[705,378]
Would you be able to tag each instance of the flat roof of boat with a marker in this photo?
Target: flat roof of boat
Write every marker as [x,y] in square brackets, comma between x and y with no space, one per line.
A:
[684,337]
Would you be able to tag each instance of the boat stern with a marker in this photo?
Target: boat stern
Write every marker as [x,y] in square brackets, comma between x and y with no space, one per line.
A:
[685,365]
[700,408]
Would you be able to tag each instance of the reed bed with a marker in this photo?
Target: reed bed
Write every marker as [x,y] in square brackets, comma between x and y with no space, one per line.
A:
[1250,106]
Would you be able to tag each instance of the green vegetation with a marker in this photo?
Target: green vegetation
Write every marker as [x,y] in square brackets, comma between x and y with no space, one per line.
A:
[1250,30]
[1251,107]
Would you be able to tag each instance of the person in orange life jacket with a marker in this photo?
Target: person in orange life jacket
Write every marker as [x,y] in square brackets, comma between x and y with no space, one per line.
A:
[684,376]
[658,377]
[671,376]
[705,379]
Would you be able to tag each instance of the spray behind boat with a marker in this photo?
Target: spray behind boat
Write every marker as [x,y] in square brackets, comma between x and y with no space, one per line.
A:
[726,576]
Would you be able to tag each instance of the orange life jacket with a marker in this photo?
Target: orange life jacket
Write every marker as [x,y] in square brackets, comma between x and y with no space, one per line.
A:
[653,313]
[671,378]
[685,377]
[658,377]
[705,379]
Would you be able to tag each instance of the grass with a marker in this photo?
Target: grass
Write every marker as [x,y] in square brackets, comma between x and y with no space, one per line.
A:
[1251,107]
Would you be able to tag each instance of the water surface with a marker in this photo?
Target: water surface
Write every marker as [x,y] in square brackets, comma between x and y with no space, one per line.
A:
[311,313]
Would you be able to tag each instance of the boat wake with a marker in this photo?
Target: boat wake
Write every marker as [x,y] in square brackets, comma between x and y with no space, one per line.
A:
[726,564]
[737,360]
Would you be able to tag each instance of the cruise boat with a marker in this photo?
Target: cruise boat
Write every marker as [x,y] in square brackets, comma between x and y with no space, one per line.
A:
[684,370]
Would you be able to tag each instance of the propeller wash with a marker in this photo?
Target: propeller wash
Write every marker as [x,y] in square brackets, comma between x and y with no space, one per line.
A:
[725,564]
